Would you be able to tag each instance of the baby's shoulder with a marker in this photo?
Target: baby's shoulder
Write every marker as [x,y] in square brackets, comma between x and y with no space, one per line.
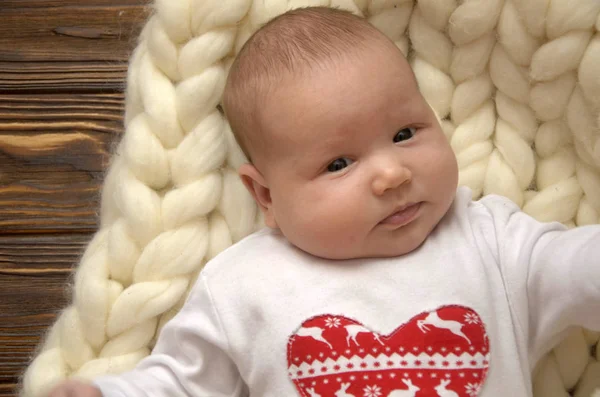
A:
[248,253]
[491,207]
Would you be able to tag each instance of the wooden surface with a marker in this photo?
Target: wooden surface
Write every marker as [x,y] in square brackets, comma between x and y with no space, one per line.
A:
[62,70]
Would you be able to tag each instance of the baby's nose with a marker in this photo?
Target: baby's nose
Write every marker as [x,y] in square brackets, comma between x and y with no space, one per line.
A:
[390,177]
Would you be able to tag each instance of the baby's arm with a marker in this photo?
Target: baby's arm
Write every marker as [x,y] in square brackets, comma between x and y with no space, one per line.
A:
[552,273]
[564,280]
[191,358]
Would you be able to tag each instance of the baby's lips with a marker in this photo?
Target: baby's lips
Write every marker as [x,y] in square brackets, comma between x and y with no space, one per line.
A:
[403,216]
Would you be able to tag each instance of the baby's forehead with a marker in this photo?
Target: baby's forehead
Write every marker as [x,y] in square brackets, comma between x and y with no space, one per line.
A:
[341,74]
[368,84]
[293,45]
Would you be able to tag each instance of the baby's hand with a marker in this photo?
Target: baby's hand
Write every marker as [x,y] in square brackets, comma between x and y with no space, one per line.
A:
[75,388]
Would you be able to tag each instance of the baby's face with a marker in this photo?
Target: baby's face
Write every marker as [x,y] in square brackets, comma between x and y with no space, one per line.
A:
[357,164]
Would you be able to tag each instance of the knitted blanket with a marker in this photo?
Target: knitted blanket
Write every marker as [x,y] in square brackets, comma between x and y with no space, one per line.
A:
[515,82]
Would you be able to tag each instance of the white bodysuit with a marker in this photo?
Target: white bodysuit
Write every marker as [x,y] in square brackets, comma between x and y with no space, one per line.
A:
[469,313]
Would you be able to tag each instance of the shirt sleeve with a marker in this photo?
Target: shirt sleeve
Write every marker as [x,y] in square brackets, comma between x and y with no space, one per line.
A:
[190,358]
[552,273]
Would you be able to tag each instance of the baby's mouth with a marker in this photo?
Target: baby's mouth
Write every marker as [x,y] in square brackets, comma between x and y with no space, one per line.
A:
[403,215]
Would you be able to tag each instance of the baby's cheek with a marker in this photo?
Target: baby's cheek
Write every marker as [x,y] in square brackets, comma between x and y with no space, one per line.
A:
[323,219]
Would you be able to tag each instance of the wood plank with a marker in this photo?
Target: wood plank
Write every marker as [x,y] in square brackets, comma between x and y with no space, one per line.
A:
[62,77]
[38,256]
[8,390]
[20,335]
[69,3]
[105,32]
[63,46]
[34,274]
[54,150]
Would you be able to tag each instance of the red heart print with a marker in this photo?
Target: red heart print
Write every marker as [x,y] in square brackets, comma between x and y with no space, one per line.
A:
[441,353]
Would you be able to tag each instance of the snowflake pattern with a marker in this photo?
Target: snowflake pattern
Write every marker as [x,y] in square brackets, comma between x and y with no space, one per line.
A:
[473,389]
[332,322]
[471,318]
[372,391]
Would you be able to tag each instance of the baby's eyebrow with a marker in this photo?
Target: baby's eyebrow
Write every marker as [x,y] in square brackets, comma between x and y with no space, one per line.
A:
[335,146]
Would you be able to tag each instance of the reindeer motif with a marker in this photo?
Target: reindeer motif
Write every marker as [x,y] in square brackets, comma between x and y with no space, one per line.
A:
[313,332]
[434,320]
[353,330]
[311,391]
[442,391]
[342,391]
[410,392]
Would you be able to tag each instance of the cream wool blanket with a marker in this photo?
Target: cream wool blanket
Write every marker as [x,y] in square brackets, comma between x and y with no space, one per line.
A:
[516,82]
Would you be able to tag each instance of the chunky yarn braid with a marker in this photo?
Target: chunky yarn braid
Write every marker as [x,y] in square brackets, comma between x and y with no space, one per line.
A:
[517,87]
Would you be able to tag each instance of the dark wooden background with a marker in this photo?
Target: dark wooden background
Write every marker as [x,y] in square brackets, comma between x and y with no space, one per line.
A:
[62,75]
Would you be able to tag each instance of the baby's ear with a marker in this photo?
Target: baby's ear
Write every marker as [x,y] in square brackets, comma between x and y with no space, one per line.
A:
[257,186]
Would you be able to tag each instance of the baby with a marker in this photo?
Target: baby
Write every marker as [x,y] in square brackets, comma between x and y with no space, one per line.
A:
[376,276]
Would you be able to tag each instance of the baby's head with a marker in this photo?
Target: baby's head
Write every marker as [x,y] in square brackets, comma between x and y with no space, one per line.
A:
[347,159]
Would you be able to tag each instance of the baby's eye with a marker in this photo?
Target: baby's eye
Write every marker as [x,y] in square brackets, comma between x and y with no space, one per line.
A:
[339,164]
[404,134]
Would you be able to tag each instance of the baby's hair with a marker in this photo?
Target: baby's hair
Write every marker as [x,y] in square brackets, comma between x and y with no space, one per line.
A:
[291,44]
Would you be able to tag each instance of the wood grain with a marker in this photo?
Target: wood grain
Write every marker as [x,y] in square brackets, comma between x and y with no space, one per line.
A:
[63,65]
[34,271]
[62,77]
[64,46]
[11,4]
[70,32]
[54,151]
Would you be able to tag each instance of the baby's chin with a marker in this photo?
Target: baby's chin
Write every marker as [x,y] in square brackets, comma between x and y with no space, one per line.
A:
[398,250]
[346,253]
